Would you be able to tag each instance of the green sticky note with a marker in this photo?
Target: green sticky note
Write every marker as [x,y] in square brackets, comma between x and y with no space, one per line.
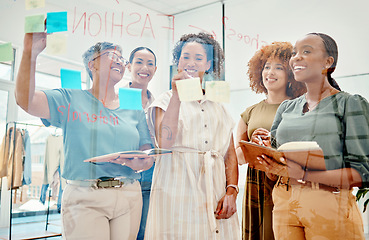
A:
[130,98]
[34,23]
[217,91]
[6,52]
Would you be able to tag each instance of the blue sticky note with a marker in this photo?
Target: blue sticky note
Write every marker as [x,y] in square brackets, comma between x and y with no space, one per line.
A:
[130,98]
[56,22]
[70,78]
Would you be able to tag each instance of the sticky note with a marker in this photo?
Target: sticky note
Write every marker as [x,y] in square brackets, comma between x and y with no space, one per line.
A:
[30,4]
[56,22]
[70,78]
[189,89]
[56,44]
[6,52]
[130,98]
[217,91]
[34,23]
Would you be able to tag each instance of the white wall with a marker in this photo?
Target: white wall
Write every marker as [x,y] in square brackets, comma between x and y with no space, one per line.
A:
[92,21]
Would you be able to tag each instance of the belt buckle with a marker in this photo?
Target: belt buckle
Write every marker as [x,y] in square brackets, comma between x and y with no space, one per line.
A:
[109,183]
[336,190]
[301,181]
[118,182]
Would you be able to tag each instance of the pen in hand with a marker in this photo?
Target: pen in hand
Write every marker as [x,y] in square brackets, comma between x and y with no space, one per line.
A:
[261,140]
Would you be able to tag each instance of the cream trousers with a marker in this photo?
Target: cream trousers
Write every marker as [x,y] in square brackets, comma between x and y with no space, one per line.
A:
[104,213]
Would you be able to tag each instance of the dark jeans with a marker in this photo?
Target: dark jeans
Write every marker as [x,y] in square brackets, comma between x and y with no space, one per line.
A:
[145,181]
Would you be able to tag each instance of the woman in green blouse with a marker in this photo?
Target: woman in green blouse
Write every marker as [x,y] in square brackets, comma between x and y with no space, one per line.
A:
[269,73]
[320,204]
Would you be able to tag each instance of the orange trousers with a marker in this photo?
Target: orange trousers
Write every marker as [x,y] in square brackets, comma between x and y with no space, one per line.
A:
[305,212]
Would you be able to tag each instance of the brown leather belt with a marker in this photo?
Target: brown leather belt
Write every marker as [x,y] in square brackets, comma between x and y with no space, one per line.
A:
[108,183]
[290,181]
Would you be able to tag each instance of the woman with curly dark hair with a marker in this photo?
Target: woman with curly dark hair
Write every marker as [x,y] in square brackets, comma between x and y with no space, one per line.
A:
[269,73]
[194,190]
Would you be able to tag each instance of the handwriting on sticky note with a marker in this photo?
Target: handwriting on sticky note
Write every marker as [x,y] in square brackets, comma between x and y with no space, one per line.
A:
[57,22]
[70,78]
[34,23]
[189,89]
[6,52]
[130,98]
[30,4]
[56,44]
[217,91]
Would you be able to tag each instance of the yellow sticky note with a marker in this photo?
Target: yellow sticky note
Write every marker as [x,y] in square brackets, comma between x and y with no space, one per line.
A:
[189,89]
[30,4]
[6,52]
[35,23]
[56,44]
[217,91]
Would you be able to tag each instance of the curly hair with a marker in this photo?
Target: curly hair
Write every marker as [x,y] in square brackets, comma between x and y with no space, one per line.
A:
[282,51]
[214,52]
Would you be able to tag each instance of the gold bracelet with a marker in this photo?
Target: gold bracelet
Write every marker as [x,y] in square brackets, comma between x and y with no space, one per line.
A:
[234,186]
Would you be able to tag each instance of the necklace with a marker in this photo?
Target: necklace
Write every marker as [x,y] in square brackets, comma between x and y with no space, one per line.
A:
[309,107]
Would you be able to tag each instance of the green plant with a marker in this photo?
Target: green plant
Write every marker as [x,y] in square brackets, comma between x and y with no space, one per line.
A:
[361,194]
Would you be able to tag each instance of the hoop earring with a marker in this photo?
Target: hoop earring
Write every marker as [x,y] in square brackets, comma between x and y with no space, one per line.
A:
[289,84]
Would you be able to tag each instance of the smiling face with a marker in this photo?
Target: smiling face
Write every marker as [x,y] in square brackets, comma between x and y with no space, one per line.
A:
[143,67]
[193,59]
[309,59]
[274,75]
[108,65]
